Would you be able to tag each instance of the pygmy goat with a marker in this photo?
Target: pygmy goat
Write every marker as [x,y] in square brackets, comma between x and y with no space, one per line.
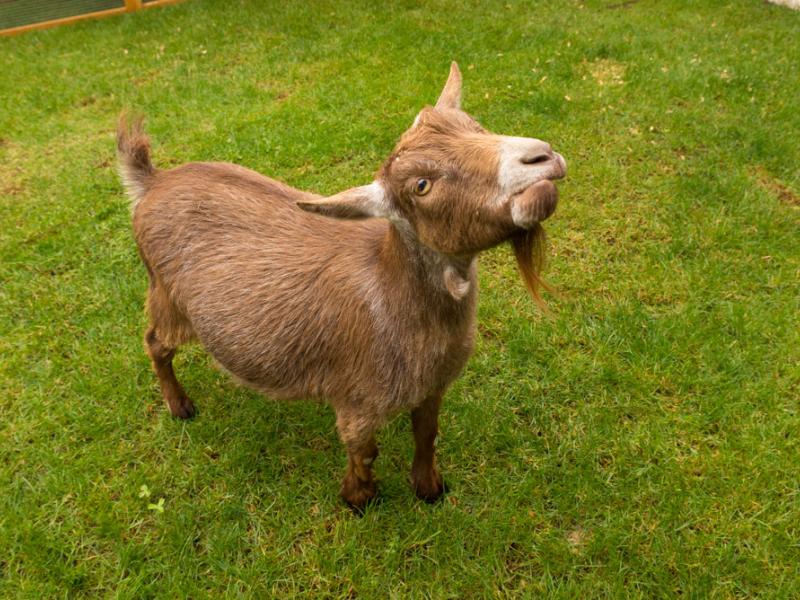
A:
[366,298]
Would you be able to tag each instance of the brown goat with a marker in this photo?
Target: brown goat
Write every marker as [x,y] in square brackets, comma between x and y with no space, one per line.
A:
[374,315]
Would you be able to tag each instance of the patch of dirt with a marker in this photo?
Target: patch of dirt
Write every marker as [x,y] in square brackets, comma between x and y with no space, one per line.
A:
[577,539]
[146,77]
[12,190]
[279,94]
[777,188]
[607,72]
[12,168]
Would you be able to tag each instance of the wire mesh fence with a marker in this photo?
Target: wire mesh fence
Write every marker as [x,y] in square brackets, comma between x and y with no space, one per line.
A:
[21,15]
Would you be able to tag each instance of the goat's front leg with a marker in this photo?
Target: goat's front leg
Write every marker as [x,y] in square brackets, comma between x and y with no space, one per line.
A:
[425,477]
[358,435]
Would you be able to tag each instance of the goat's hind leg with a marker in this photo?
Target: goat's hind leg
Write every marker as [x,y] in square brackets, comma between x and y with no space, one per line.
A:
[168,329]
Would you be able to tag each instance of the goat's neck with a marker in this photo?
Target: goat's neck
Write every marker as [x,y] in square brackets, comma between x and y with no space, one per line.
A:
[446,277]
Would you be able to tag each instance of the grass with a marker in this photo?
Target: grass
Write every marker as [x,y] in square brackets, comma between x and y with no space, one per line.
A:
[641,442]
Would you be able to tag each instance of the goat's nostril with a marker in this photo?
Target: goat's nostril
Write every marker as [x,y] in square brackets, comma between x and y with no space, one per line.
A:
[535,159]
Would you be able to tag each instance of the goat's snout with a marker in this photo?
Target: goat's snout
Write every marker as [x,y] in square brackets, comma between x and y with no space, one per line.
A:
[559,166]
[538,153]
[524,161]
[528,171]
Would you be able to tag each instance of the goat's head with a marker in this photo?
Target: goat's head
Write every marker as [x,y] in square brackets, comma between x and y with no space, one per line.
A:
[459,189]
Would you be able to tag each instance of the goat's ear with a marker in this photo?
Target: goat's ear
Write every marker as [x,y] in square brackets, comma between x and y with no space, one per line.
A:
[451,94]
[356,203]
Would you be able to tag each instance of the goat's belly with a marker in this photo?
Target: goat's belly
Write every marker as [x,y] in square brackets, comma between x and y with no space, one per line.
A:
[294,347]
[284,335]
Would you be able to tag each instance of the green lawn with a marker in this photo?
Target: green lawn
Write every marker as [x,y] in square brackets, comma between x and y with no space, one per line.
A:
[640,441]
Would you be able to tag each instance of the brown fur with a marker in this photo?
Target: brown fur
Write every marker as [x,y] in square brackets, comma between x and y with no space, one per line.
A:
[376,316]
[529,249]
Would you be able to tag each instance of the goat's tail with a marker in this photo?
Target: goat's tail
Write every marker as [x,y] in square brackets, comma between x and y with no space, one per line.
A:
[133,153]
[529,248]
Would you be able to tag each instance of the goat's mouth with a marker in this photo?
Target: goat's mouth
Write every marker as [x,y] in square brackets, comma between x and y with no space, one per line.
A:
[537,201]
[534,204]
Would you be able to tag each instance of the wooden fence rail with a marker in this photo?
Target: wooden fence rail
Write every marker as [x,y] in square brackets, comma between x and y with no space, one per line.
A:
[18,16]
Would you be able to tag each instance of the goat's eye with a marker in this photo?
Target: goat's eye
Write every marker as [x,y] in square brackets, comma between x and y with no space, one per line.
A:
[422,187]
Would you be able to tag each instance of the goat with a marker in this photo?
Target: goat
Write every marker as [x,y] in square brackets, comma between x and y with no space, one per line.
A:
[366,299]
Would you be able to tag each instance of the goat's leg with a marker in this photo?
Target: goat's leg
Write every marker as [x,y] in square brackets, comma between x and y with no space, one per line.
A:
[168,330]
[358,486]
[161,356]
[425,477]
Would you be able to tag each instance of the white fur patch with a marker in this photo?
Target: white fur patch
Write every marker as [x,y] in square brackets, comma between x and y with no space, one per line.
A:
[520,217]
[795,4]
[457,286]
[381,206]
[133,184]
[513,175]
[377,199]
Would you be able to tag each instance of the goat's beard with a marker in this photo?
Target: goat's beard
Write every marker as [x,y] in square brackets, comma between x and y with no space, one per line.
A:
[529,249]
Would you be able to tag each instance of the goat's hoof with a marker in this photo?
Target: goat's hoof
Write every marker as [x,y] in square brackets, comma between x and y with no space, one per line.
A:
[358,494]
[181,407]
[429,487]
